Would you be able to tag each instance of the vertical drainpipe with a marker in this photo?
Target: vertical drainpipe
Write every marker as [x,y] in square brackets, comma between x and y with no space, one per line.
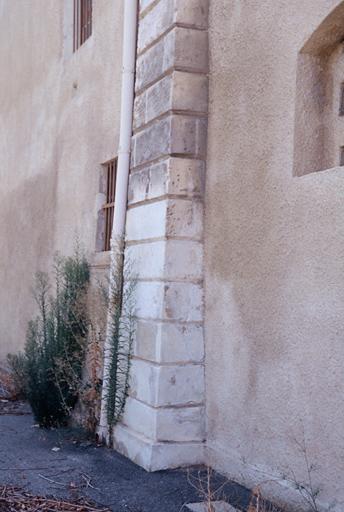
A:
[123,163]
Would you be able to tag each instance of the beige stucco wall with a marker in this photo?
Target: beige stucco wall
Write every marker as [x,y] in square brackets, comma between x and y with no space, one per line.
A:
[274,257]
[59,119]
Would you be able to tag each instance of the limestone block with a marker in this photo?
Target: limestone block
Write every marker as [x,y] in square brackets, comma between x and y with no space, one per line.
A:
[155,456]
[160,386]
[169,342]
[184,135]
[183,302]
[139,117]
[155,61]
[183,260]
[178,134]
[177,91]
[147,260]
[146,3]
[169,260]
[184,218]
[184,177]
[177,176]
[159,98]
[189,135]
[181,48]
[190,92]
[147,221]
[173,301]
[181,424]
[191,49]
[140,417]
[168,12]
[155,23]
[153,142]
[149,300]
[192,12]
[168,217]
[165,424]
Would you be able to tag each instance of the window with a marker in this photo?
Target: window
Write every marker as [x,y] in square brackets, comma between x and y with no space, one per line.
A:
[341,103]
[106,213]
[82,22]
[341,158]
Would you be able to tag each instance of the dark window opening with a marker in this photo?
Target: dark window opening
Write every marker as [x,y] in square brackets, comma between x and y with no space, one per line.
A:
[341,105]
[341,158]
[109,206]
[82,22]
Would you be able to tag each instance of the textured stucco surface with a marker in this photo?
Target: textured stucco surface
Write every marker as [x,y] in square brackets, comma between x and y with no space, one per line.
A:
[274,263]
[59,120]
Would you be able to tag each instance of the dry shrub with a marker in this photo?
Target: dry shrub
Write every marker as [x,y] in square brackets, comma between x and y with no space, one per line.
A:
[259,504]
[9,388]
[90,389]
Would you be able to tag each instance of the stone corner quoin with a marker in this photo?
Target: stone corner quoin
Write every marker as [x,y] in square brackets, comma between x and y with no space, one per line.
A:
[163,425]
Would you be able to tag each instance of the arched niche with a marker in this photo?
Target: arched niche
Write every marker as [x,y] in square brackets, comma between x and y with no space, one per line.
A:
[319,116]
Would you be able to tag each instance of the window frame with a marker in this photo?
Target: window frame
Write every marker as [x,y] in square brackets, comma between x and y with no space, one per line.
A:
[82,22]
[109,175]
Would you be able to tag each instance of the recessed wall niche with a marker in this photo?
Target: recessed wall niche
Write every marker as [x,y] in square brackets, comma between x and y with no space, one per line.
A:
[319,115]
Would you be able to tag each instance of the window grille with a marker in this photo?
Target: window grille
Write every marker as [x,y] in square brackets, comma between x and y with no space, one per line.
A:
[341,157]
[82,22]
[109,206]
[341,104]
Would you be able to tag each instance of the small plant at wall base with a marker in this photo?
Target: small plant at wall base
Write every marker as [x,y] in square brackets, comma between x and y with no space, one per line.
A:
[121,330]
[88,409]
[54,353]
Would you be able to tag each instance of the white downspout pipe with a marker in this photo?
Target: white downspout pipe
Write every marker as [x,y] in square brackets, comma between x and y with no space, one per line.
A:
[127,102]
[123,164]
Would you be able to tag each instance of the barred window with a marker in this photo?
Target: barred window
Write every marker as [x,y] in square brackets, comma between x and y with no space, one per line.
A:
[110,175]
[82,22]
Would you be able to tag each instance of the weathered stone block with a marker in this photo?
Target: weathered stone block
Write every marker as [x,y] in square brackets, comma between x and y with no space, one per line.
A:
[177,176]
[147,221]
[181,424]
[168,217]
[177,91]
[153,142]
[188,136]
[159,98]
[155,61]
[146,3]
[160,386]
[176,134]
[165,424]
[169,342]
[172,301]
[183,302]
[166,13]
[191,49]
[184,218]
[169,260]
[139,117]
[192,12]
[149,300]
[155,456]
[155,23]
[183,48]
[190,92]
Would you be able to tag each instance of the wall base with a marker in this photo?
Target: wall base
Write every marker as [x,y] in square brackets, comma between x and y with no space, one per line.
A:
[156,456]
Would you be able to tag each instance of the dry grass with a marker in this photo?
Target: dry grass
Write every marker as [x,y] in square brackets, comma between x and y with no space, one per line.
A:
[259,504]
[13,499]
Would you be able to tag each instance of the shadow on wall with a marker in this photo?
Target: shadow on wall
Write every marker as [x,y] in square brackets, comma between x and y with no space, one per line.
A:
[26,232]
